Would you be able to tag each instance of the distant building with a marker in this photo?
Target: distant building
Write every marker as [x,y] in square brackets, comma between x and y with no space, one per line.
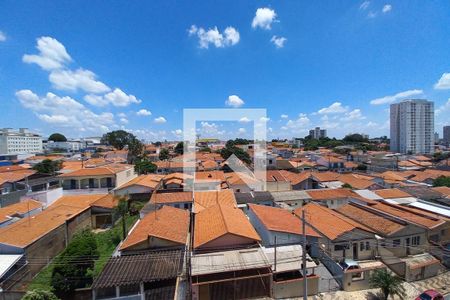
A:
[436,137]
[412,126]
[19,142]
[446,135]
[318,133]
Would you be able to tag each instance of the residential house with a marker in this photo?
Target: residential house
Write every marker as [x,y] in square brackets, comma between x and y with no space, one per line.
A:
[206,199]
[14,212]
[140,187]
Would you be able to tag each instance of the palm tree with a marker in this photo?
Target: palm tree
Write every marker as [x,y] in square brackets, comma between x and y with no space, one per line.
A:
[122,210]
[388,283]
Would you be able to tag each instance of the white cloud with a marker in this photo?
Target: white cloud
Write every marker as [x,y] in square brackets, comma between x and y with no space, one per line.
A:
[210,129]
[264,119]
[299,124]
[387,8]
[177,132]
[80,79]
[121,115]
[242,130]
[364,5]
[117,98]
[335,108]
[355,114]
[229,37]
[2,36]
[371,15]
[160,120]
[234,101]
[396,97]
[124,120]
[283,116]
[443,108]
[144,112]
[65,112]
[443,83]
[278,41]
[264,17]
[244,120]
[52,54]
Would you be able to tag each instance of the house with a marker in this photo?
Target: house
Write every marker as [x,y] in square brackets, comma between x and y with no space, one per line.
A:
[231,274]
[206,199]
[261,198]
[242,182]
[174,199]
[166,227]
[20,210]
[275,181]
[278,226]
[176,181]
[287,279]
[222,227]
[360,182]
[300,181]
[209,180]
[12,187]
[331,163]
[291,199]
[151,275]
[106,177]
[140,187]
[332,198]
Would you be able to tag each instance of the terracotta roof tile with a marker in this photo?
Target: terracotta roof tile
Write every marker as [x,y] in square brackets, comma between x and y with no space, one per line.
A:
[392,193]
[205,199]
[328,222]
[325,194]
[219,220]
[167,223]
[20,208]
[99,171]
[281,220]
[149,180]
[167,198]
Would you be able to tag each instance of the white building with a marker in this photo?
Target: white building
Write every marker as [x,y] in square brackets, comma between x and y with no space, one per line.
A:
[70,145]
[318,133]
[412,126]
[19,142]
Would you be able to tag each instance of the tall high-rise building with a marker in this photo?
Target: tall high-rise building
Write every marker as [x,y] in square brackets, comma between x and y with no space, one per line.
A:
[412,126]
[318,133]
[446,135]
[19,142]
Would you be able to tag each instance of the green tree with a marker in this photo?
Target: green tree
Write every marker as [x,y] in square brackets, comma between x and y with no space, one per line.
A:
[120,139]
[442,181]
[347,186]
[361,167]
[388,283]
[57,137]
[164,154]
[73,267]
[354,138]
[144,166]
[48,166]
[231,149]
[39,295]
[179,148]
[121,211]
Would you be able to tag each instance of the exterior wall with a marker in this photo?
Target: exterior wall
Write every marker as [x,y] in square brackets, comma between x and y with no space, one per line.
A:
[401,250]
[47,197]
[335,203]
[19,142]
[422,273]
[357,283]
[125,176]
[152,243]
[134,189]
[226,241]
[278,186]
[294,288]
[81,221]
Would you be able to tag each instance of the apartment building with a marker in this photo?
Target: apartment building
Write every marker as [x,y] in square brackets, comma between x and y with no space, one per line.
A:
[412,126]
[19,142]
[318,133]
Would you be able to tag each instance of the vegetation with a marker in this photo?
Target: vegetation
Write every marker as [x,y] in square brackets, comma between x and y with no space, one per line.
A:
[57,137]
[164,154]
[311,144]
[179,148]
[48,166]
[205,149]
[442,181]
[388,283]
[231,148]
[347,186]
[355,138]
[74,267]
[361,167]
[122,211]
[120,139]
[144,166]
[39,294]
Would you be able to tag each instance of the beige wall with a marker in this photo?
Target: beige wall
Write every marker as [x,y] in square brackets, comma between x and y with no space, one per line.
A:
[294,287]
[125,176]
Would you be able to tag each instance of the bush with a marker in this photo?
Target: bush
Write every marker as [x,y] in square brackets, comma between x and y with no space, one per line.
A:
[442,181]
[39,295]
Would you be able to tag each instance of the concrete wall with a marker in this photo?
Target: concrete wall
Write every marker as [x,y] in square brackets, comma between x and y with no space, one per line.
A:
[134,189]
[357,283]
[125,176]
[47,197]
[294,287]
[422,273]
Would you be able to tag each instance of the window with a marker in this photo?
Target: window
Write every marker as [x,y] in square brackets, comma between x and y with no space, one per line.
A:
[416,240]
[361,246]
[396,243]
[367,245]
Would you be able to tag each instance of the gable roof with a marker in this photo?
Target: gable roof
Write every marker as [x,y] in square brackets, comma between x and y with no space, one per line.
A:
[175,197]
[82,201]
[295,178]
[110,169]
[391,193]
[281,220]
[14,176]
[325,194]
[205,199]
[149,180]
[328,222]
[219,220]
[167,223]
[20,208]
[356,181]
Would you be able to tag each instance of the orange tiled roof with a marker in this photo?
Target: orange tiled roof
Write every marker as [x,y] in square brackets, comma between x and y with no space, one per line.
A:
[391,193]
[167,198]
[355,181]
[325,176]
[442,189]
[110,169]
[10,168]
[325,194]
[235,178]
[295,178]
[21,208]
[210,175]
[219,220]
[81,201]
[328,222]
[108,201]
[15,176]
[167,223]
[279,219]
[205,199]
[149,180]
[370,219]
[409,215]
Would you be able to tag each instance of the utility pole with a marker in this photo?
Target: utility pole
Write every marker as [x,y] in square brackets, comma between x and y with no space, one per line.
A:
[305,284]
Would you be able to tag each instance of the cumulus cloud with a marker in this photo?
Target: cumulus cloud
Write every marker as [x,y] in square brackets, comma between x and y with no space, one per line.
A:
[234,101]
[242,130]
[160,120]
[353,115]
[264,17]
[364,5]
[2,36]
[244,120]
[387,8]
[80,79]
[264,119]
[52,54]
[144,112]
[335,108]
[443,83]
[213,36]
[177,132]
[278,41]
[117,98]
[64,112]
[298,124]
[443,108]
[283,116]
[124,120]
[396,97]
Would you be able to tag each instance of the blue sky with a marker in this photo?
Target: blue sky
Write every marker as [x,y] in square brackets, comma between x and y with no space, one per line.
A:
[83,68]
